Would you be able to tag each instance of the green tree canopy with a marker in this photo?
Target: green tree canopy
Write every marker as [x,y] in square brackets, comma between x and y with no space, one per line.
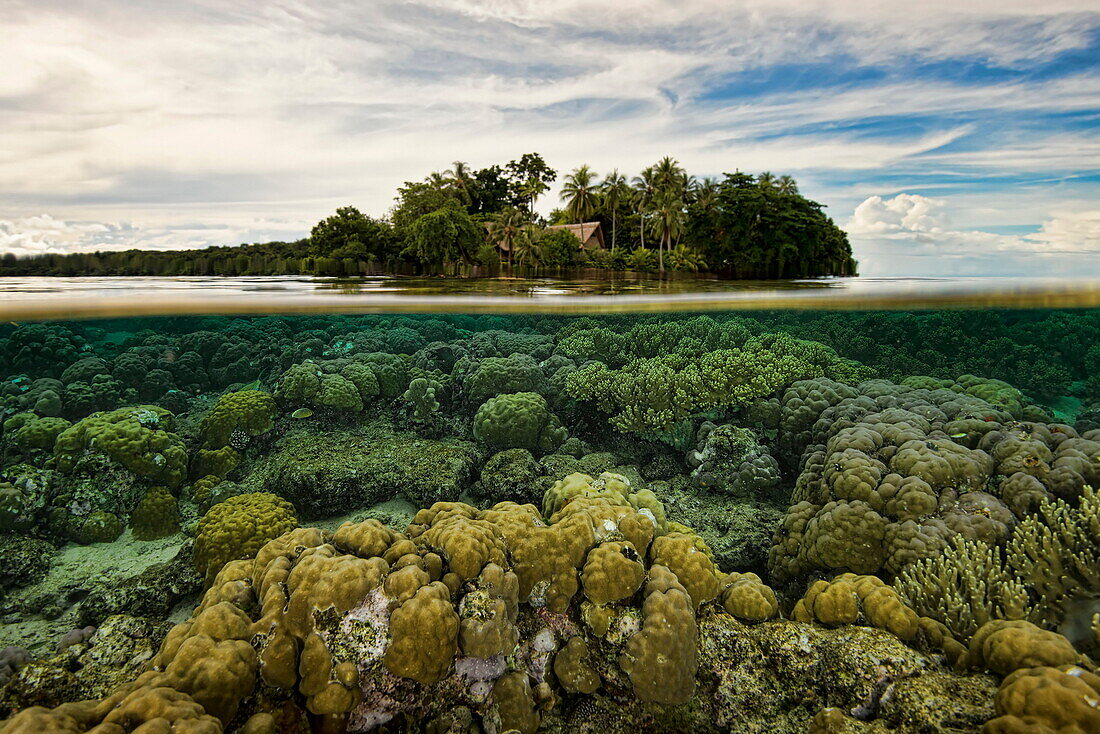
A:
[490,191]
[447,235]
[350,233]
[417,198]
[530,178]
[559,248]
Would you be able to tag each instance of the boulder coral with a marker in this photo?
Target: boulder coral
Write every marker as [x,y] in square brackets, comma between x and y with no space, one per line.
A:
[238,528]
[140,439]
[897,471]
[519,421]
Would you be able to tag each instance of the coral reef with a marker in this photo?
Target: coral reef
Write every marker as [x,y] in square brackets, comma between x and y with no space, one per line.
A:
[616,523]
[139,439]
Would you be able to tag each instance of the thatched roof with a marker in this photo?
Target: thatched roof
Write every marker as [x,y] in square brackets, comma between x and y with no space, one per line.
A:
[590,234]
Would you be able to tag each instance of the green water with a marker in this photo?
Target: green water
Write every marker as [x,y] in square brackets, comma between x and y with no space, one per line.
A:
[593,521]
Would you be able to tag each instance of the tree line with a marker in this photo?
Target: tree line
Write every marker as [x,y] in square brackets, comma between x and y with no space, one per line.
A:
[739,225]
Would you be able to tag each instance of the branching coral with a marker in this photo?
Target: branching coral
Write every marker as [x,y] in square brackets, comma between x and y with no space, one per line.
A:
[964,587]
[1056,554]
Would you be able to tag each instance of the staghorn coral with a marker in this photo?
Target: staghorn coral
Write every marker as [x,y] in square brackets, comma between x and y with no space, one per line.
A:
[654,393]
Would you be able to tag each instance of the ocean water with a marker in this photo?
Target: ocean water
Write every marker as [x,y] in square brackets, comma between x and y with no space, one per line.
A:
[282,505]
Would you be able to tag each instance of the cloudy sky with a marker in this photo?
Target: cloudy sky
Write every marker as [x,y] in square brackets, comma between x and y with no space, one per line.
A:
[947,137]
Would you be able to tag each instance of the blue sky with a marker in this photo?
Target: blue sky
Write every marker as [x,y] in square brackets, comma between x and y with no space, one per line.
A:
[950,138]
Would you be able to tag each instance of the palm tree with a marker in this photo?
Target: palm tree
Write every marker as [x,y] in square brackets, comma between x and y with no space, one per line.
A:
[685,258]
[460,178]
[506,228]
[527,246]
[786,185]
[766,180]
[645,185]
[672,188]
[580,194]
[439,180]
[668,206]
[670,174]
[615,193]
[704,193]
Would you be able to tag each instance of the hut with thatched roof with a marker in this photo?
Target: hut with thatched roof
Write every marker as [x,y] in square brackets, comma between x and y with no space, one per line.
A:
[589,234]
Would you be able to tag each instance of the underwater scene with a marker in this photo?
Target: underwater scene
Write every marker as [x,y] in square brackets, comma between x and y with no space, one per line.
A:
[732,521]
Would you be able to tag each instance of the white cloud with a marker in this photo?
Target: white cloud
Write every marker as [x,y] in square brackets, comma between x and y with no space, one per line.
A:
[904,213]
[912,234]
[1071,231]
[44,234]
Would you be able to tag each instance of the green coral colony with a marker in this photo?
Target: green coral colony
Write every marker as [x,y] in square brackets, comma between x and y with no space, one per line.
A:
[752,522]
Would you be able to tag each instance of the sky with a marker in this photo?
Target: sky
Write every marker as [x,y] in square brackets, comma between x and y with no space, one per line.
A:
[947,138]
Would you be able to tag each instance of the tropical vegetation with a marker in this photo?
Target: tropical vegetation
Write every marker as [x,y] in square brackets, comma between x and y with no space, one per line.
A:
[662,219]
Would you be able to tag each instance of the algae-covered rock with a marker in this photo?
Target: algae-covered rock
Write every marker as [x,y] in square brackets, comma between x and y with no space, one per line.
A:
[24,560]
[152,593]
[511,475]
[730,460]
[336,471]
[97,527]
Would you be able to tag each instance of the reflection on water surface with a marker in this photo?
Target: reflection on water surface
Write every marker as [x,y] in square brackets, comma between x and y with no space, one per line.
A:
[43,298]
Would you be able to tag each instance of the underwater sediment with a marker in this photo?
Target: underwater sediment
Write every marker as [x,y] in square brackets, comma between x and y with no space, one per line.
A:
[778,522]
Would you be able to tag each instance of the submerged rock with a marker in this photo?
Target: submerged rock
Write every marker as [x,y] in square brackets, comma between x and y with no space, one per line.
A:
[115,653]
[335,471]
[23,560]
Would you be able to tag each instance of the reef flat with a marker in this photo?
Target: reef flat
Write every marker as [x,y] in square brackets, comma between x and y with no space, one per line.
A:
[781,522]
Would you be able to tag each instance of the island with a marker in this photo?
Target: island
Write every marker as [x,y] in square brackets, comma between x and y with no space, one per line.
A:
[481,221]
